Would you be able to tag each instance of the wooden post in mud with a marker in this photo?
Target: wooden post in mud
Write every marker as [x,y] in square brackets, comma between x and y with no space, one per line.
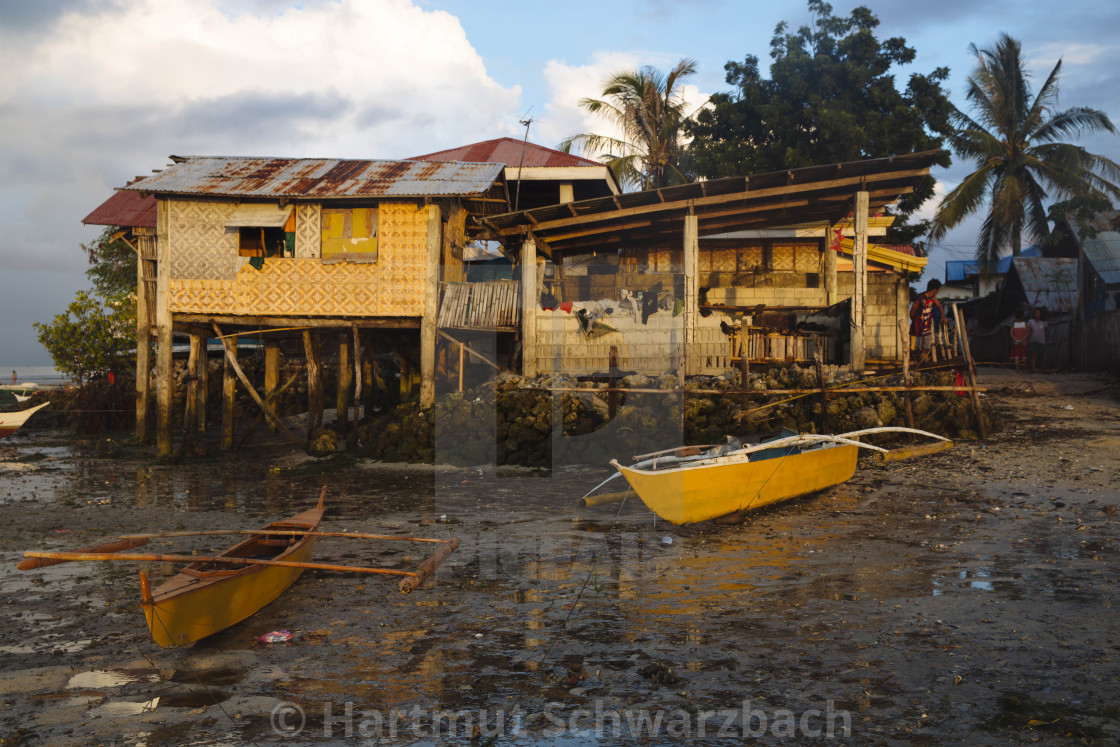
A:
[203,384]
[271,373]
[345,376]
[431,307]
[146,248]
[190,414]
[164,380]
[830,292]
[906,373]
[229,395]
[357,382]
[962,334]
[314,383]
[462,349]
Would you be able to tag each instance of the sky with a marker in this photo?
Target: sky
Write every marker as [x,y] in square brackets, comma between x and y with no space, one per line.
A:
[98,91]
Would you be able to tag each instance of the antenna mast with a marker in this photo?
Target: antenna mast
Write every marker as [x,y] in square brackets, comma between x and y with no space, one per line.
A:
[517,196]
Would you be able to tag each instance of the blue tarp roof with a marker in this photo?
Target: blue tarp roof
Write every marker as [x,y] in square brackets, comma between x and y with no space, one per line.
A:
[959,270]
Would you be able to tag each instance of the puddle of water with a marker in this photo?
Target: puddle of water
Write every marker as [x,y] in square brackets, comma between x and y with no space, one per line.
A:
[194,699]
[209,677]
[111,677]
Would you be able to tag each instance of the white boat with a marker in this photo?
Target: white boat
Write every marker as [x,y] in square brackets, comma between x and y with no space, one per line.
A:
[10,422]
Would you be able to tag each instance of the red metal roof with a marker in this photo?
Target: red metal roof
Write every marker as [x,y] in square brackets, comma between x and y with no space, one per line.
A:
[508,150]
[129,209]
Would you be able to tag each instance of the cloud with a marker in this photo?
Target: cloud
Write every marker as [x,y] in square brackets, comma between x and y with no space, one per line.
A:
[568,84]
[102,91]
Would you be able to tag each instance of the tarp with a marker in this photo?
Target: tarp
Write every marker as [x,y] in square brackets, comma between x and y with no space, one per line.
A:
[257,215]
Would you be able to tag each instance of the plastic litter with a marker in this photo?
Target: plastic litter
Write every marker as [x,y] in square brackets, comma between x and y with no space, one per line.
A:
[666,540]
[276,636]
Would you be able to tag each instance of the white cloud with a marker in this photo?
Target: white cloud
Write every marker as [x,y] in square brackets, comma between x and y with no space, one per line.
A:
[107,91]
[569,84]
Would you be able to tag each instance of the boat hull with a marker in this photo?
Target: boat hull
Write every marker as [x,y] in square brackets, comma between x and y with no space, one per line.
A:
[10,422]
[692,493]
[201,600]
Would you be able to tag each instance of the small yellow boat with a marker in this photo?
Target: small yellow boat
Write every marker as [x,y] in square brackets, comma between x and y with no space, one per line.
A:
[206,597]
[683,487]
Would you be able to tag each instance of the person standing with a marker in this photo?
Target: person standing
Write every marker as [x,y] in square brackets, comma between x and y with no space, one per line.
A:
[1019,334]
[925,309]
[1036,345]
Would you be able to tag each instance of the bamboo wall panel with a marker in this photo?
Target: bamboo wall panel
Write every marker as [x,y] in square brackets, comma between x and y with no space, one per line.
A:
[308,238]
[481,305]
[201,247]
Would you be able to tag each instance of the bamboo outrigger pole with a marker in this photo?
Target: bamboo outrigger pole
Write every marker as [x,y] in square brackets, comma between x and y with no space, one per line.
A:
[159,558]
[280,532]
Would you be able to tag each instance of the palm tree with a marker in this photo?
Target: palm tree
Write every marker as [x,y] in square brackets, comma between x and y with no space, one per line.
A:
[648,108]
[1015,141]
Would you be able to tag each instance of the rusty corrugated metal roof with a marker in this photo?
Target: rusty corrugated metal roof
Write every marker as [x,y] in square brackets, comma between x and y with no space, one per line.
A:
[1050,282]
[318,178]
[1103,252]
[509,151]
[124,209]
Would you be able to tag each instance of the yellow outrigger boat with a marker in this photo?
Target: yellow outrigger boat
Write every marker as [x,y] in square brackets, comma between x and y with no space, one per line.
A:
[206,597]
[683,487]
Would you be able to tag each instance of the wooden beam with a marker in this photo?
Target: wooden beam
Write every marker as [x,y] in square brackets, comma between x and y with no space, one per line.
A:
[190,413]
[252,322]
[858,358]
[271,371]
[691,246]
[268,413]
[530,300]
[345,379]
[164,380]
[700,202]
[314,383]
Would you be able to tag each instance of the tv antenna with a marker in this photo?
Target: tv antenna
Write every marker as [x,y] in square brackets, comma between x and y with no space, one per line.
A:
[524,144]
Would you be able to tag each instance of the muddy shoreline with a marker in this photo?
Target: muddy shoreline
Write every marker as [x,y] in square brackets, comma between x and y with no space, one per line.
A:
[967,597]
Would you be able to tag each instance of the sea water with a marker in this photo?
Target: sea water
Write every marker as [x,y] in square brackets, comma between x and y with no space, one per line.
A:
[45,376]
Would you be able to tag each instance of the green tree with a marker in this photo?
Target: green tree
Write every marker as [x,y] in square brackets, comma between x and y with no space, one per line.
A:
[1015,141]
[648,107]
[92,337]
[97,332]
[831,97]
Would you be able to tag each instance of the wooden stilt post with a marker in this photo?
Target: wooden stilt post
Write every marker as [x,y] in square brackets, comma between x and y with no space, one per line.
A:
[229,395]
[146,248]
[357,382]
[203,384]
[314,383]
[345,376]
[818,361]
[905,348]
[428,322]
[190,414]
[271,373]
[164,380]
[830,287]
[963,336]
[612,377]
[268,412]
[462,348]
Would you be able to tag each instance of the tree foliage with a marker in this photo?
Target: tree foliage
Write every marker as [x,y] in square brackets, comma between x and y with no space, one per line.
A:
[97,332]
[831,97]
[1015,139]
[92,337]
[648,107]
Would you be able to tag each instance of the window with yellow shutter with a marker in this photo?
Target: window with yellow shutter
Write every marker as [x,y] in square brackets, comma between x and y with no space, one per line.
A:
[349,234]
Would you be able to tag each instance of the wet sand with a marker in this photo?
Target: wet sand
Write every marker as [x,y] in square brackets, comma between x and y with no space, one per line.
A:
[967,597]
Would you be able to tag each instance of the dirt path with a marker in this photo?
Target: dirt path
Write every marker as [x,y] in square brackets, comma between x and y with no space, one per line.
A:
[969,597]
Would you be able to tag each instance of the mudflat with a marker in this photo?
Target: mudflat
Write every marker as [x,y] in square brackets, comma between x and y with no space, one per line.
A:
[968,596]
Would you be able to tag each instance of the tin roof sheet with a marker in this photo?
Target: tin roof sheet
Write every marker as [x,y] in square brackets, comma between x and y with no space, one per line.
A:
[129,209]
[1103,253]
[318,177]
[509,151]
[1050,282]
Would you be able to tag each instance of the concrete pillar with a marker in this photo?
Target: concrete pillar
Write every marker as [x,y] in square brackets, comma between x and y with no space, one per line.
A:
[431,308]
[830,290]
[691,293]
[530,301]
[858,357]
